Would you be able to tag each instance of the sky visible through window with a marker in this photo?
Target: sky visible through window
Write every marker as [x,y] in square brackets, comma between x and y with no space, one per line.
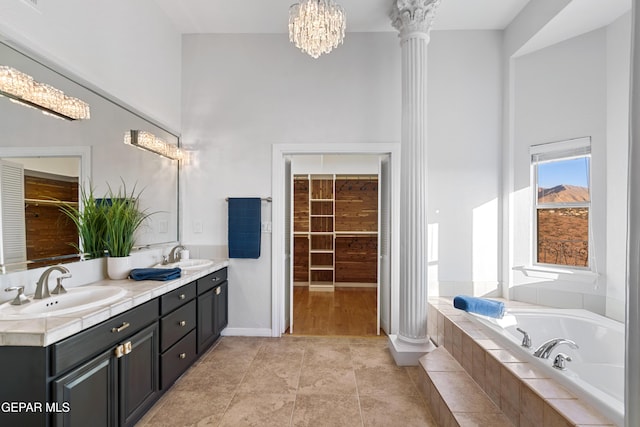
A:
[568,172]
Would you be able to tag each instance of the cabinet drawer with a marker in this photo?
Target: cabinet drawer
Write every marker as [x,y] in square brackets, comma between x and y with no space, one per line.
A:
[176,298]
[83,345]
[177,359]
[210,280]
[175,325]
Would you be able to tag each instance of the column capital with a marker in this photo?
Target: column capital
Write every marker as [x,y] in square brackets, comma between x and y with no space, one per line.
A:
[413,18]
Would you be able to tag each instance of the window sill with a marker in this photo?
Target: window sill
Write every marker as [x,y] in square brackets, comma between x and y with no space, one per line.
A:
[557,273]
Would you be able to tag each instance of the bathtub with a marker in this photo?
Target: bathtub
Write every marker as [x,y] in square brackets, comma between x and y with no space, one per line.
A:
[596,372]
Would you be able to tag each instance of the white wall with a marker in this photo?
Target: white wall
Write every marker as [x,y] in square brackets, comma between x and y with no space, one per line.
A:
[345,164]
[618,78]
[65,166]
[464,123]
[560,92]
[243,93]
[128,49]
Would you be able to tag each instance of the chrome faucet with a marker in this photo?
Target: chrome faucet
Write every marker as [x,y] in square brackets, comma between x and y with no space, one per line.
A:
[526,339]
[21,298]
[544,351]
[173,255]
[42,287]
[560,362]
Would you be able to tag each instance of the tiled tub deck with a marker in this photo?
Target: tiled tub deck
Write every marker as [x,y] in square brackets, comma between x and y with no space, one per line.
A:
[479,382]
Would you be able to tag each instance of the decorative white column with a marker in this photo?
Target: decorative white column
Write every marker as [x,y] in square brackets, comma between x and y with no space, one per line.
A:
[413,19]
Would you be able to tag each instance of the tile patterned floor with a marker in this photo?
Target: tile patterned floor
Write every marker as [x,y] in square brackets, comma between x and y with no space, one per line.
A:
[294,381]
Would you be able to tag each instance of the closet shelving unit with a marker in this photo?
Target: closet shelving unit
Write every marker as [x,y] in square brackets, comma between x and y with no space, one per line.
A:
[321,233]
[335,230]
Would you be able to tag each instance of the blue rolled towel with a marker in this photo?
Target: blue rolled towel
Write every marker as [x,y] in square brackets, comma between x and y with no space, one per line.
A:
[483,306]
[161,274]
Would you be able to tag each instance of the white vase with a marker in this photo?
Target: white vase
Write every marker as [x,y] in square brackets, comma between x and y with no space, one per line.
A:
[118,267]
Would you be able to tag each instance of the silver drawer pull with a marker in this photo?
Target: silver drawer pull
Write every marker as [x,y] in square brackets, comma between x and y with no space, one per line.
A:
[182,355]
[182,296]
[182,323]
[218,290]
[215,279]
[124,326]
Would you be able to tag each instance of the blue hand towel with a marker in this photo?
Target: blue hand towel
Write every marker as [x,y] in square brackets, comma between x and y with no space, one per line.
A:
[483,306]
[161,274]
[245,216]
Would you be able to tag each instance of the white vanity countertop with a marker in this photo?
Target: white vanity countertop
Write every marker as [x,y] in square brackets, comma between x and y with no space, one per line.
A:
[41,332]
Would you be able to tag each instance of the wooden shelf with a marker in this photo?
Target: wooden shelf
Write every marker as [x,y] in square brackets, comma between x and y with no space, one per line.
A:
[347,233]
[49,202]
[321,286]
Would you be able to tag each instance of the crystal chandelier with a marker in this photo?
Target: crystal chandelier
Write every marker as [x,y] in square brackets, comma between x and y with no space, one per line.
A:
[150,142]
[316,26]
[23,89]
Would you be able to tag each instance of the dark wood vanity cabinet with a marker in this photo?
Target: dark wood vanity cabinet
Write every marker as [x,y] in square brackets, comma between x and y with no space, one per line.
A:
[112,386]
[112,373]
[177,326]
[91,390]
[118,385]
[213,302]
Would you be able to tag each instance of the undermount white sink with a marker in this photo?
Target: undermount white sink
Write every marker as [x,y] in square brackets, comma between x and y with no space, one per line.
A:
[188,264]
[76,299]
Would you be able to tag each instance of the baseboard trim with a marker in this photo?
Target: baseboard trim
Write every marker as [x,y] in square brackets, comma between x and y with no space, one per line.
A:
[355,285]
[246,332]
[341,285]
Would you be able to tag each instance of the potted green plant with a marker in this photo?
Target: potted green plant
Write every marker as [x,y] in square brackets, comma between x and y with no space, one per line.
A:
[89,219]
[123,217]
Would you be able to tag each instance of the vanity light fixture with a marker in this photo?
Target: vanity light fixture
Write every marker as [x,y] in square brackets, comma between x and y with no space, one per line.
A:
[316,26]
[150,142]
[23,89]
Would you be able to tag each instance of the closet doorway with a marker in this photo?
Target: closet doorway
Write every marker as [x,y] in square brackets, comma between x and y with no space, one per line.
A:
[335,240]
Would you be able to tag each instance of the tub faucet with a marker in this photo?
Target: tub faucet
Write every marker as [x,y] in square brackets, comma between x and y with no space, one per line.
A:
[544,351]
[42,286]
[526,339]
[173,255]
[560,362]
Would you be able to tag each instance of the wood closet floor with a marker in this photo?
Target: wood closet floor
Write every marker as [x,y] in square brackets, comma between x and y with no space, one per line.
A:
[346,311]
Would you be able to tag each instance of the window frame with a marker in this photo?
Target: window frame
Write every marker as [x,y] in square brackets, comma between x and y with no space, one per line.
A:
[557,151]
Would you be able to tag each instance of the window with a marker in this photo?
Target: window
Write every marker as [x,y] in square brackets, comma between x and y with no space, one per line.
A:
[561,183]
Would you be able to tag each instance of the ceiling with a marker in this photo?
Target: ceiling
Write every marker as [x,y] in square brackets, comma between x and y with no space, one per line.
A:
[578,17]
[271,16]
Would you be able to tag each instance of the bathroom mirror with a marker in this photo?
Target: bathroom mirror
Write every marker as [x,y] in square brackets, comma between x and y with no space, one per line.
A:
[95,150]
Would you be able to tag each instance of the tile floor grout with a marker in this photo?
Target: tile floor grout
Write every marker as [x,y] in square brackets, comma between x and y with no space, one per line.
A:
[376,391]
[357,390]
